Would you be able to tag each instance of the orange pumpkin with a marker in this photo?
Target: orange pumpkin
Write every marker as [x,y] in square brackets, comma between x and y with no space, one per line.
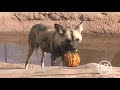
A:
[71,59]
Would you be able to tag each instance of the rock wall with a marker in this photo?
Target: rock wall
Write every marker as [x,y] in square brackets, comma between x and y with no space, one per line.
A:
[95,22]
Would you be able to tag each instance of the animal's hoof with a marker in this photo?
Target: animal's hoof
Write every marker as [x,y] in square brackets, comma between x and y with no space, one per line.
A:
[26,67]
[42,66]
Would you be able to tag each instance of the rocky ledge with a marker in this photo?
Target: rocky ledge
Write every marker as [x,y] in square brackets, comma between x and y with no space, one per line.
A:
[89,70]
[95,22]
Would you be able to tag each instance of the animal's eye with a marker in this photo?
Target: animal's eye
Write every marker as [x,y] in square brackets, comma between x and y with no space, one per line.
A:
[77,39]
[68,41]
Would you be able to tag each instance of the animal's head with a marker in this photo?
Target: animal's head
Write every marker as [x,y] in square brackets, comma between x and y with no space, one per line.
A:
[68,39]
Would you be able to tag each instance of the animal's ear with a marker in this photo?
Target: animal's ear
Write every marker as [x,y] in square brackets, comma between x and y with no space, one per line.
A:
[59,29]
[79,27]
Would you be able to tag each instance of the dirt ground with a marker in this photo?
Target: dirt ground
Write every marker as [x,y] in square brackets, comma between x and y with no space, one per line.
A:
[8,70]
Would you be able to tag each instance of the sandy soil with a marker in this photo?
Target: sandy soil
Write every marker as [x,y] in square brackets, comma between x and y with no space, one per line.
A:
[8,70]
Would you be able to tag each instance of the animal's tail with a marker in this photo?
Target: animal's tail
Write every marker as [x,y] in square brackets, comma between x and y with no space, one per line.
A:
[33,44]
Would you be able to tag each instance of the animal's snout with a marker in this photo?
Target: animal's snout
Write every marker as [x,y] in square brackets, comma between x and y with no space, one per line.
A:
[75,45]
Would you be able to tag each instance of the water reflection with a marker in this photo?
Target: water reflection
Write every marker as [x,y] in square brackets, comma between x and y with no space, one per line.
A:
[92,49]
[116,59]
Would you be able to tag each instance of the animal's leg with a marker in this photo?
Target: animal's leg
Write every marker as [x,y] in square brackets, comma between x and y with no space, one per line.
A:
[42,59]
[53,60]
[62,59]
[30,51]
